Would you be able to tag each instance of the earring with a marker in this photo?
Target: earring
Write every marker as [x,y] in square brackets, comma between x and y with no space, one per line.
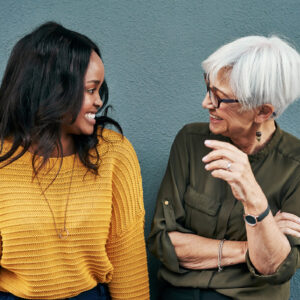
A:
[258,135]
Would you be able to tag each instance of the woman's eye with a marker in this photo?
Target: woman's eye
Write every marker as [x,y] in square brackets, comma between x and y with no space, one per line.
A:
[91,91]
[218,98]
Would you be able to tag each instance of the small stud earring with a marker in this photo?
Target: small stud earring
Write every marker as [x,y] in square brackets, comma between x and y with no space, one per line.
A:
[258,135]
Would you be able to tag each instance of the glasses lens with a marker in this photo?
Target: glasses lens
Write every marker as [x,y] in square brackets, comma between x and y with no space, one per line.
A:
[206,83]
[213,98]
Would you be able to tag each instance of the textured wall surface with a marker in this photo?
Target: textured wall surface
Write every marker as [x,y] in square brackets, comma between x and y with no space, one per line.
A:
[152,52]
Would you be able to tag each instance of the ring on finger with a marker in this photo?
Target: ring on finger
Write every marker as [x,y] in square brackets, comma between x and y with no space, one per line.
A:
[228,166]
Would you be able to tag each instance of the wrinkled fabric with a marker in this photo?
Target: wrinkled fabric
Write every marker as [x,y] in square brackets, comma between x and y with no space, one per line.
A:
[190,200]
[169,292]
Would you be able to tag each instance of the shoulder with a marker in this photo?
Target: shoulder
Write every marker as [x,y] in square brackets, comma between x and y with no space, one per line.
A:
[115,143]
[190,136]
[195,129]
[289,147]
[109,135]
[7,144]
[127,193]
[118,151]
[8,153]
[288,156]
[194,134]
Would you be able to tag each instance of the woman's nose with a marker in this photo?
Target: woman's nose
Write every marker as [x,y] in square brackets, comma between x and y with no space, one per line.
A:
[98,102]
[206,103]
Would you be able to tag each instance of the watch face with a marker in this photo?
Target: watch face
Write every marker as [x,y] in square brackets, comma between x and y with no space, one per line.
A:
[251,220]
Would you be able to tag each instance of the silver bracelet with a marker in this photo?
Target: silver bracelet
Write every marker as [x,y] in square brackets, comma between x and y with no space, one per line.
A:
[220,255]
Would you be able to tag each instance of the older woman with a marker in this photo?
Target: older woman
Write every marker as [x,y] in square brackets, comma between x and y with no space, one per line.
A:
[214,228]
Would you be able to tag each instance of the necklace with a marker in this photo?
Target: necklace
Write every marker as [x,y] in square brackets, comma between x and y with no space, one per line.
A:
[61,233]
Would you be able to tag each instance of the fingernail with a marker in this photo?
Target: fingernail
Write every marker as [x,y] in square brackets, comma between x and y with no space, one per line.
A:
[204,158]
[207,142]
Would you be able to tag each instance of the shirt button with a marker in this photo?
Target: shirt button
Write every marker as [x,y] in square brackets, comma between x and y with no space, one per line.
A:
[166,202]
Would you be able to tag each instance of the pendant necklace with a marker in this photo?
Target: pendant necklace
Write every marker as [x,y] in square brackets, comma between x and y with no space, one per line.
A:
[61,233]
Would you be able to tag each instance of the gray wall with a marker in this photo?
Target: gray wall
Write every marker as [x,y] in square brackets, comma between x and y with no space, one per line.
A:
[152,52]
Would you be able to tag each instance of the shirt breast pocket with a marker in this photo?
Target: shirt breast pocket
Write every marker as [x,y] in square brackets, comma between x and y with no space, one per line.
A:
[201,212]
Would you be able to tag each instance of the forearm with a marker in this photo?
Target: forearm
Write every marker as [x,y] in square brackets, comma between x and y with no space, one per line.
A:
[268,246]
[197,252]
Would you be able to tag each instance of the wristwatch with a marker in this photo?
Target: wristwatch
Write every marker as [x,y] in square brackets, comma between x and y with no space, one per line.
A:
[252,220]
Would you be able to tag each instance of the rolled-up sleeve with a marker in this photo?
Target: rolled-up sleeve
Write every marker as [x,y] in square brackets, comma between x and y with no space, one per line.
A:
[169,212]
[288,267]
[283,273]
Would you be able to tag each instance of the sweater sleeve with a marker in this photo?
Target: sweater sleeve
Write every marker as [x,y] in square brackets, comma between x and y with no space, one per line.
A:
[126,244]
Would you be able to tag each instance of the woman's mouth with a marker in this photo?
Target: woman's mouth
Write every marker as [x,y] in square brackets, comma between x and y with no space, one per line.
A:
[90,117]
[214,118]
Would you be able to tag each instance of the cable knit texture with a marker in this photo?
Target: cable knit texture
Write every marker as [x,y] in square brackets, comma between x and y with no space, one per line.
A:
[105,221]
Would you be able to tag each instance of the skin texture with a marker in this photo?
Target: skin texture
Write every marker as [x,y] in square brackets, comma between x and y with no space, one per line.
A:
[91,103]
[196,252]
[267,243]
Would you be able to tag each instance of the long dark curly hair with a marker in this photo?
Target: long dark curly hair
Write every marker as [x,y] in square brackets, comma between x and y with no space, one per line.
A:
[44,80]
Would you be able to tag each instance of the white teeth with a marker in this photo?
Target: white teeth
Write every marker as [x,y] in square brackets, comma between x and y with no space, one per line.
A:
[90,115]
[215,117]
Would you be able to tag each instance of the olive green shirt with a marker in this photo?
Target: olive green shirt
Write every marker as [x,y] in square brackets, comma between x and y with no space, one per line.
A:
[191,200]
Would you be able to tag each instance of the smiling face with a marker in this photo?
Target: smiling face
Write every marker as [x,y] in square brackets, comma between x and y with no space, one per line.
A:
[229,119]
[85,121]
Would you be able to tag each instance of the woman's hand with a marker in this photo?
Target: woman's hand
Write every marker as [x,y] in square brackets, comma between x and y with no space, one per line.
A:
[268,246]
[229,163]
[288,223]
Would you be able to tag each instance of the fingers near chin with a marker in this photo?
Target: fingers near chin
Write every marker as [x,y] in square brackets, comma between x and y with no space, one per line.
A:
[216,165]
[222,174]
[220,154]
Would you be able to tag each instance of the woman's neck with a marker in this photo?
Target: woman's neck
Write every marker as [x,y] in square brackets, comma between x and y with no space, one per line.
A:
[250,144]
[67,143]
[68,147]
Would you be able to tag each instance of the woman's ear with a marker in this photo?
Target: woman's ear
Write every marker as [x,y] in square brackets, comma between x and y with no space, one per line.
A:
[264,112]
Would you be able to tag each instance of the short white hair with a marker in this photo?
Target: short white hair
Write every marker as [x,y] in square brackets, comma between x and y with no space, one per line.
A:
[262,70]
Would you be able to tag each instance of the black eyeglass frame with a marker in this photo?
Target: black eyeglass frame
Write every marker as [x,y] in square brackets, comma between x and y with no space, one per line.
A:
[209,91]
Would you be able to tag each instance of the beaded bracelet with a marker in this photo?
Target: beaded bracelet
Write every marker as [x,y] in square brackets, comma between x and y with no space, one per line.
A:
[220,255]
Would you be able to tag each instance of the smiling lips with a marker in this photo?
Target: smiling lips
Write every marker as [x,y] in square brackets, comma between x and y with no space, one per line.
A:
[214,117]
[90,117]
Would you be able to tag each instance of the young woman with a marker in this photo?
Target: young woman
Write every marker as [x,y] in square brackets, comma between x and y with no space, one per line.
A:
[71,204]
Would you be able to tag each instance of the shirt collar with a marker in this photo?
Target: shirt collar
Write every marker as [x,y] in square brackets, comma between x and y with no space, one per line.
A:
[265,150]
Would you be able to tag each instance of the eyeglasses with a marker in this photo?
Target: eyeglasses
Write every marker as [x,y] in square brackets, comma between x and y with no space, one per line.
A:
[214,98]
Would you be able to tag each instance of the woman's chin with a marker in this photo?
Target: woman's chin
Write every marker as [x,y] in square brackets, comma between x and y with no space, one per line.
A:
[216,128]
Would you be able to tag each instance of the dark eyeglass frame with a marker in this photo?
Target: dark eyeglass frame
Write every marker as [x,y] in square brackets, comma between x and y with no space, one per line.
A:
[210,91]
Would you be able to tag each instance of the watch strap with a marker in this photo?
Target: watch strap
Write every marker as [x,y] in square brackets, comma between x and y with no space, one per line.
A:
[263,214]
[253,220]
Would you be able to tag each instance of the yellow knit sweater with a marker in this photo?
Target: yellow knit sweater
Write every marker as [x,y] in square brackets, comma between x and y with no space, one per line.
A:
[105,221]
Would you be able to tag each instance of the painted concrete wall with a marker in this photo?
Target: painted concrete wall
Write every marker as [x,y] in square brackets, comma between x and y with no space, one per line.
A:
[152,52]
